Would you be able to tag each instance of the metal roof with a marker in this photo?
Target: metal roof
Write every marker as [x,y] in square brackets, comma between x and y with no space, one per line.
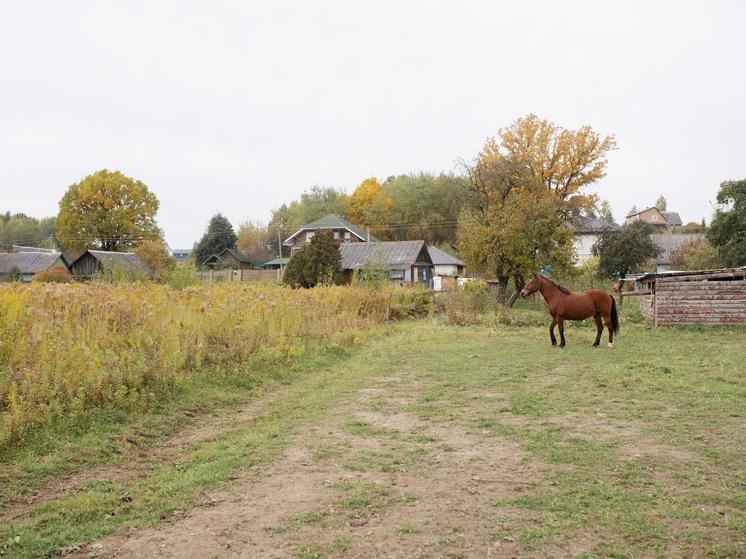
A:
[276,262]
[28,262]
[672,218]
[127,260]
[19,248]
[720,273]
[583,224]
[670,242]
[442,258]
[395,255]
[333,221]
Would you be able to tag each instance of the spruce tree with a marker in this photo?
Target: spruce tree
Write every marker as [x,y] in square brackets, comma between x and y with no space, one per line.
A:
[323,263]
[217,238]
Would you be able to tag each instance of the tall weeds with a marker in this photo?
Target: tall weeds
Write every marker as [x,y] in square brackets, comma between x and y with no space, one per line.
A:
[67,348]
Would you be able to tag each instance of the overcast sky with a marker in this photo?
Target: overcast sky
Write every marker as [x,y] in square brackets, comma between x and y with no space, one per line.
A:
[237,107]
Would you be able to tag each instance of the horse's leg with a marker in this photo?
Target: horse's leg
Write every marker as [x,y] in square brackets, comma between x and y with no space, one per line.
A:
[561,324]
[599,328]
[607,320]
[551,331]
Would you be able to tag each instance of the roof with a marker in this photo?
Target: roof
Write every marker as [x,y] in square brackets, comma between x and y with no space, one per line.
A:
[233,251]
[28,262]
[672,218]
[670,242]
[395,255]
[442,258]
[583,224]
[276,262]
[333,221]
[19,248]
[720,272]
[182,251]
[127,260]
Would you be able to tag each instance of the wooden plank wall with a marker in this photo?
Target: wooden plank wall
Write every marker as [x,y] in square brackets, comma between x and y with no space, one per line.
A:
[698,302]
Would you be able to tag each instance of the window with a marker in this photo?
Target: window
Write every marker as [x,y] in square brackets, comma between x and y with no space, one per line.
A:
[347,236]
[423,274]
[336,235]
[396,274]
[655,217]
[309,236]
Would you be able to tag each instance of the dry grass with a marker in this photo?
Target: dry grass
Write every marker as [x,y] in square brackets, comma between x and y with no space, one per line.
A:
[67,348]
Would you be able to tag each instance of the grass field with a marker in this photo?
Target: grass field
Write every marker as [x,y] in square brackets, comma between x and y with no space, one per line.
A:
[426,440]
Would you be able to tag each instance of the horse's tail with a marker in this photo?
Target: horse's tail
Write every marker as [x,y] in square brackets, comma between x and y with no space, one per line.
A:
[614,316]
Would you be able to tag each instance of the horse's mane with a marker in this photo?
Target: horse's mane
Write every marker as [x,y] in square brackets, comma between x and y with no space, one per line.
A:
[558,286]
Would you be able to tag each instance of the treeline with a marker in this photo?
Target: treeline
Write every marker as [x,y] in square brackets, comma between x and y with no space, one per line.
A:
[20,229]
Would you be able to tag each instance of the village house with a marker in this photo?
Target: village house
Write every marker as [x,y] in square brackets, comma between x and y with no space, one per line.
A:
[586,232]
[342,230]
[662,221]
[407,262]
[93,262]
[28,263]
[229,258]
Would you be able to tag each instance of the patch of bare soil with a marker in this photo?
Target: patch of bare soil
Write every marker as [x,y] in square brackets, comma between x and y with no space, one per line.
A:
[360,484]
[140,458]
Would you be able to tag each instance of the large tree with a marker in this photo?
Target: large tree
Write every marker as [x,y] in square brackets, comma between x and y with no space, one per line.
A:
[727,232]
[661,203]
[369,205]
[523,188]
[323,262]
[257,241]
[107,210]
[624,250]
[217,238]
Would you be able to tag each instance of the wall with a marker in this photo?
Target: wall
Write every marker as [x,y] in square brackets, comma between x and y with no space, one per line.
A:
[699,302]
[582,245]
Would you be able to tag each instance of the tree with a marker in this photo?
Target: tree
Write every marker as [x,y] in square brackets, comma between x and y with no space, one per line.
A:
[524,186]
[633,210]
[660,203]
[323,262]
[623,250]
[15,274]
[254,240]
[727,231]
[604,212]
[157,257]
[20,229]
[217,238]
[107,210]
[369,204]
[696,255]
[294,270]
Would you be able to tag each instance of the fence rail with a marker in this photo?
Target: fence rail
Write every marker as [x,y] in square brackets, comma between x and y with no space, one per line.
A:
[266,276]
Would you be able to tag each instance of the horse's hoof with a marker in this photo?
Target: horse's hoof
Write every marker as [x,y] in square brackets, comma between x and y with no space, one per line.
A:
[611,345]
[595,345]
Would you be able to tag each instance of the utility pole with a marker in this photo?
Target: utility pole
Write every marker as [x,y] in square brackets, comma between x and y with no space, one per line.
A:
[279,245]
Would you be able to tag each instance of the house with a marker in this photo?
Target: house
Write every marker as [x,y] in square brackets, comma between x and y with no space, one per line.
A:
[274,264]
[28,263]
[693,297]
[673,219]
[445,264]
[93,262]
[407,262]
[181,254]
[653,216]
[342,230]
[229,258]
[669,243]
[586,232]
[19,248]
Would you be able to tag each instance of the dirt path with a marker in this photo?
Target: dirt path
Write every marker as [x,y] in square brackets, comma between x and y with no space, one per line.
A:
[372,479]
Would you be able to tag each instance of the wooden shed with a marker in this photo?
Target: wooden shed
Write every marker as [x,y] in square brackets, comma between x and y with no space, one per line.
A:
[693,297]
[93,262]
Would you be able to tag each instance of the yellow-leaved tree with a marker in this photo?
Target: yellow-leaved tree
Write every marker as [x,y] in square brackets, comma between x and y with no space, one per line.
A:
[369,205]
[109,211]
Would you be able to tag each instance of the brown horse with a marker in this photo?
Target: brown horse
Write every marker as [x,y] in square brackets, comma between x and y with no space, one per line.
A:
[565,305]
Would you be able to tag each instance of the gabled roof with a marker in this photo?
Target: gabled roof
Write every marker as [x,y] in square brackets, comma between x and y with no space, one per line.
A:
[583,224]
[645,210]
[394,255]
[126,260]
[332,221]
[275,262]
[670,242]
[233,251]
[442,258]
[28,262]
[672,218]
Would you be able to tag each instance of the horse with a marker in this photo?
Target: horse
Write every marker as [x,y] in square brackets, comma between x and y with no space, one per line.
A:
[565,305]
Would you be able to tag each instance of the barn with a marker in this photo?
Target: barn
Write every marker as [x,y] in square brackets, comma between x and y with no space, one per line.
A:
[93,262]
[28,264]
[693,297]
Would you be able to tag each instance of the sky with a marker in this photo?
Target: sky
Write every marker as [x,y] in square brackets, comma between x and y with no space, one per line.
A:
[239,106]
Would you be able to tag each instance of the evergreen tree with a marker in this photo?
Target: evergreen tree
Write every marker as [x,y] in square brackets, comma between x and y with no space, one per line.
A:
[294,270]
[217,238]
[661,204]
[323,262]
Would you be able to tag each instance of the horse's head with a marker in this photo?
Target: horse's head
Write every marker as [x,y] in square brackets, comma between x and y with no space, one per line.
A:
[532,286]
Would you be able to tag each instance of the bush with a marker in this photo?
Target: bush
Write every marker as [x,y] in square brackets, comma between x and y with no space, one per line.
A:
[55,274]
[15,274]
[468,304]
[696,255]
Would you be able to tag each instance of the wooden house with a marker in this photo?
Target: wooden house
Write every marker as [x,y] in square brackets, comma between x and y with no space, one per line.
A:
[407,262]
[28,264]
[342,230]
[93,262]
[228,259]
[693,297]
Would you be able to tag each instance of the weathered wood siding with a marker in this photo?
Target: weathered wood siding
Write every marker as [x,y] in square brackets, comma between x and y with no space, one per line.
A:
[696,302]
[85,267]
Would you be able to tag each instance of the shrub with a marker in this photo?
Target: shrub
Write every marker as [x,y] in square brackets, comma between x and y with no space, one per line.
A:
[55,274]
[156,256]
[696,255]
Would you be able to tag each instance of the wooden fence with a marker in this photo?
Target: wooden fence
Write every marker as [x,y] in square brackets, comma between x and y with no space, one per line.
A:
[266,276]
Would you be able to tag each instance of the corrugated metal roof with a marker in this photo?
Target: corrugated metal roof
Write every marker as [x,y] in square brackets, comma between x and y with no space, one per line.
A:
[28,262]
[276,262]
[670,242]
[395,255]
[127,260]
[442,258]
[333,221]
[19,248]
